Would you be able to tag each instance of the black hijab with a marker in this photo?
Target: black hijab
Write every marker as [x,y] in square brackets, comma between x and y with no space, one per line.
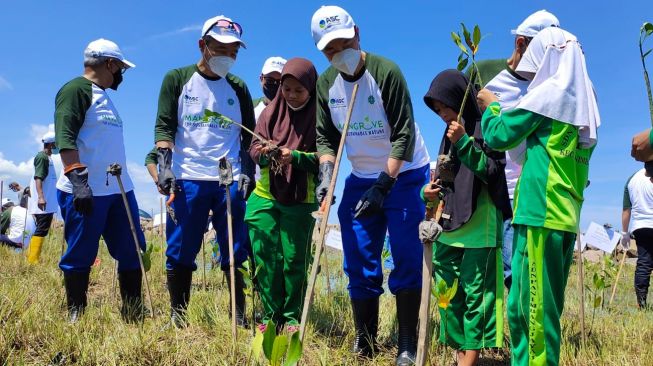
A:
[449,88]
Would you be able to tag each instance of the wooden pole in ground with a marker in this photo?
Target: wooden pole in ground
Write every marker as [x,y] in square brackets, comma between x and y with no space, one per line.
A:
[581,280]
[616,279]
[425,301]
[324,210]
[163,239]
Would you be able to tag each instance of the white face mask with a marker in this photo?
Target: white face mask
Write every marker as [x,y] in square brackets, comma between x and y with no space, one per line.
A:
[346,60]
[296,109]
[221,65]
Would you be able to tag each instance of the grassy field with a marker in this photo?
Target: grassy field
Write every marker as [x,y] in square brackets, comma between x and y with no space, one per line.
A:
[33,330]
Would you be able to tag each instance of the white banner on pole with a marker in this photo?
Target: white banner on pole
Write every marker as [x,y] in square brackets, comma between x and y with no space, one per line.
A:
[156,221]
[334,239]
[600,237]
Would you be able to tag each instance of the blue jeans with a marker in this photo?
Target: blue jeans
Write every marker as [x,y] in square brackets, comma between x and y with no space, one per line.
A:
[109,220]
[363,238]
[192,205]
[508,233]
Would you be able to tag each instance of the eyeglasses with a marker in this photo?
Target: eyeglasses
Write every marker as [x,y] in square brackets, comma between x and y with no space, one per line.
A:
[123,68]
[227,24]
[272,81]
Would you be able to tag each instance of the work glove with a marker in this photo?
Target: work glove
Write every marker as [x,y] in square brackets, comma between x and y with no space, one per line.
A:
[324,176]
[429,230]
[625,239]
[246,182]
[372,200]
[82,194]
[167,180]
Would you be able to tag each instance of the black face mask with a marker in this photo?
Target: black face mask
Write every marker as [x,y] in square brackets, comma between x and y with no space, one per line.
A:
[117,79]
[270,90]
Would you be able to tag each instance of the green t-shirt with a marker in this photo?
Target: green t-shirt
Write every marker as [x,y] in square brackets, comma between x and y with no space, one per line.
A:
[151,157]
[487,69]
[41,165]
[549,192]
[5,220]
[300,160]
[483,230]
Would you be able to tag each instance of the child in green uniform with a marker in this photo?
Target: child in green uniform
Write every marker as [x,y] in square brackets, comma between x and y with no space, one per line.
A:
[279,211]
[476,203]
[558,117]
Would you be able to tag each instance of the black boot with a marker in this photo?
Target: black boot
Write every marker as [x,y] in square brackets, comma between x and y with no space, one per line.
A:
[407,315]
[179,281]
[76,284]
[641,298]
[241,319]
[366,320]
[132,299]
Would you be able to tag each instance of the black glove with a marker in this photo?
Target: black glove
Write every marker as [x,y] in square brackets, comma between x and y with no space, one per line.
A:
[246,181]
[82,194]
[324,176]
[167,179]
[372,200]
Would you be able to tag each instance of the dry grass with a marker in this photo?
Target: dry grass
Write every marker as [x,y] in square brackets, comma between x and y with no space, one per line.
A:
[33,330]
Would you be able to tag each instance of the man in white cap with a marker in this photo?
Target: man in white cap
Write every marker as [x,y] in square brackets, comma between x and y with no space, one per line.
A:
[16,225]
[44,197]
[197,107]
[89,134]
[270,80]
[390,164]
[508,86]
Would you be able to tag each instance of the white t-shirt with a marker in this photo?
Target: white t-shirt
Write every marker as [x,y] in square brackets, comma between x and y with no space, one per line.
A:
[639,191]
[49,185]
[100,143]
[509,90]
[21,226]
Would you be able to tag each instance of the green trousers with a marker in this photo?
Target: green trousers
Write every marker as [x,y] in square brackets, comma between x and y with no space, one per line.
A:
[540,268]
[281,238]
[474,318]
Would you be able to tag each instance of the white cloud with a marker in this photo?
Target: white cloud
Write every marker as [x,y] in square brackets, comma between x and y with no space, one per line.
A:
[37,131]
[182,30]
[5,84]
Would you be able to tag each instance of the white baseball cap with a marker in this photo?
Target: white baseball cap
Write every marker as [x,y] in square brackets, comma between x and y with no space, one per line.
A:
[329,23]
[535,22]
[6,201]
[105,48]
[48,138]
[273,64]
[223,30]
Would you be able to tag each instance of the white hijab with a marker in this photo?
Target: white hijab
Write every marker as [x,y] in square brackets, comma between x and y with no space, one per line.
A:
[561,88]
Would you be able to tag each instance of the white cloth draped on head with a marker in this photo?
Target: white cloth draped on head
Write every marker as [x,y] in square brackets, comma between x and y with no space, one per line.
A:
[561,88]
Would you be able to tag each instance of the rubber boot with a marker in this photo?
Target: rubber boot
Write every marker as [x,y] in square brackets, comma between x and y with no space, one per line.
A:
[407,315]
[641,298]
[179,281]
[366,321]
[34,249]
[132,310]
[241,319]
[76,284]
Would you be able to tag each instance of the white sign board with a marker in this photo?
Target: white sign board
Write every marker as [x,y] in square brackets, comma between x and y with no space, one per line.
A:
[334,239]
[157,220]
[600,237]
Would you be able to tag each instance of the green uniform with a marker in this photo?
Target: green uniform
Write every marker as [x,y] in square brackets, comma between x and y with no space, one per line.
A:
[151,157]
[472,254]
[5,220]
[548,199]
[281,236]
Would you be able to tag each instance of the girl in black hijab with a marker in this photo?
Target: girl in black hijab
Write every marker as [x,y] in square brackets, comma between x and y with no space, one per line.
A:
[476,203]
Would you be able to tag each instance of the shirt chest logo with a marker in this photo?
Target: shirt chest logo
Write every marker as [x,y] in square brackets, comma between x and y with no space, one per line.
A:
[337,103]
[209,119]
[191,100]
[366,127]
[109,119]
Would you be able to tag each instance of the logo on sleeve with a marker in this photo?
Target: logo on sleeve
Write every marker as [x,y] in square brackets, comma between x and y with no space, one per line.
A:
[371,99]
[337,103]
[230,101]
[190,100]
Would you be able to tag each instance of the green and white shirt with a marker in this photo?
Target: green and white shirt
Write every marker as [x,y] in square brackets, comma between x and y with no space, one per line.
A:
[306,161]
[638,196]
[86,120]
[259,106]
[196,114]
[44,170]
[382,124]
[550,190]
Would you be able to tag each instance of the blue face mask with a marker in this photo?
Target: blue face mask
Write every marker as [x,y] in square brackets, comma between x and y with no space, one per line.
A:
[55,150]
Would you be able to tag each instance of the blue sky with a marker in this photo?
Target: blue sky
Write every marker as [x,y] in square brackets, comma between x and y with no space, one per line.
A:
[42,44]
